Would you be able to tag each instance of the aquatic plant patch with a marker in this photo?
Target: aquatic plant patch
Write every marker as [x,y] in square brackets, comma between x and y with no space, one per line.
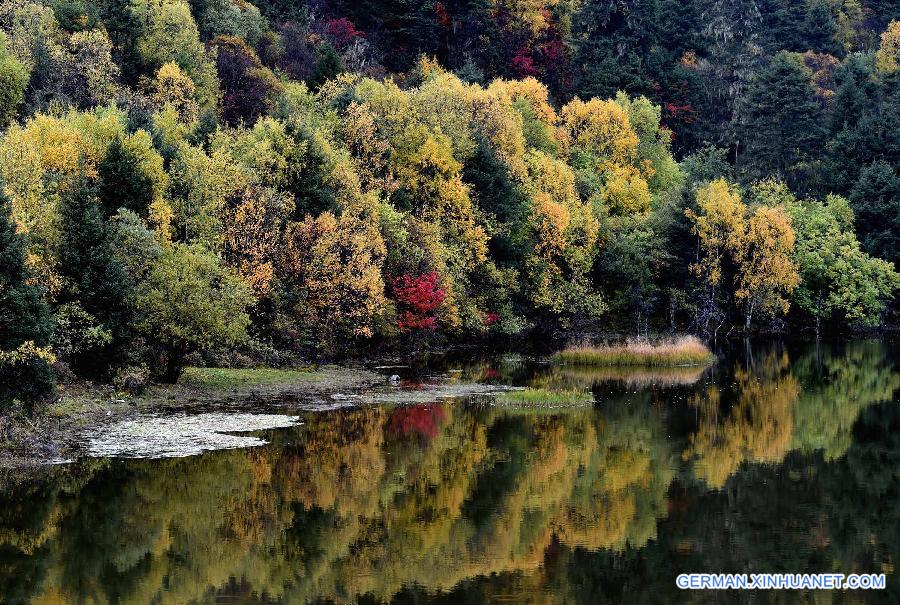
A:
[182,434]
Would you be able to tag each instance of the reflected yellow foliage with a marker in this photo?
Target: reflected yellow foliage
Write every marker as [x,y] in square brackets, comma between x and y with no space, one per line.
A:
[758,428]
[351,506]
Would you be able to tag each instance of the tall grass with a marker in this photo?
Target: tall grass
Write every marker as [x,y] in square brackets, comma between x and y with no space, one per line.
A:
[683,351]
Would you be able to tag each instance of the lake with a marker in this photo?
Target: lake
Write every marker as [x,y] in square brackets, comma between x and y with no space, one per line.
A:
[780,458]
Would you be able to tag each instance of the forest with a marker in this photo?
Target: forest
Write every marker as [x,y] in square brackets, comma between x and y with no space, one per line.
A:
[269,181]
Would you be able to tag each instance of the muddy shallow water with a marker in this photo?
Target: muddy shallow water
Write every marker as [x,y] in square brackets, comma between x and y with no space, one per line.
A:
[777,459]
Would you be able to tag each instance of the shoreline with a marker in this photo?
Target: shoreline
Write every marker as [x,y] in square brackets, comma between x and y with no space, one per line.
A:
[53,433]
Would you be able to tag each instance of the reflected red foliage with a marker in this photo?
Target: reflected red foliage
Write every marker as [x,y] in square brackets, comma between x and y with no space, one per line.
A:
[424,420]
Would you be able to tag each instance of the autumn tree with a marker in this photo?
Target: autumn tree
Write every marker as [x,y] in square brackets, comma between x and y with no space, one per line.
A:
[202,183]
[249,89]
[604,149]
[719,216]
[887,59]
[170,35]
[419,299]
[171,87]
[560,234]
[253,235]
[756,245]
[93,77]
[763,254]
[187,302]
[332,265]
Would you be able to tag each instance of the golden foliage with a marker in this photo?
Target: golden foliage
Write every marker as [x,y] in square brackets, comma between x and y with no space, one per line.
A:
[335,265]
[759,427]
[173,88]
[252,236]
[626,192]
[767,273]
[602,127]
[887,59]
[720,216]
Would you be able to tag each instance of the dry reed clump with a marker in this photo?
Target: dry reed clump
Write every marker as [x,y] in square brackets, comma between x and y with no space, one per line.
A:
[683,351]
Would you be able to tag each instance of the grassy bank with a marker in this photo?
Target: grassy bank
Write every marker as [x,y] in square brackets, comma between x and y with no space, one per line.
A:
[199,386]
[684,351]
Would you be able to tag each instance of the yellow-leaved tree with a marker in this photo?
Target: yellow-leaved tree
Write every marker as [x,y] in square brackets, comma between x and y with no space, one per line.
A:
[887,59]
[602,146]
[720,214]
[767,274]
[560,235]
[332,267]
[758,245]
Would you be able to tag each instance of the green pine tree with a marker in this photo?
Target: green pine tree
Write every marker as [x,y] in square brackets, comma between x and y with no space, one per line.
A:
[780,124]
[327,67]
[24,322]
[95,285]
[876,201]
[122,184]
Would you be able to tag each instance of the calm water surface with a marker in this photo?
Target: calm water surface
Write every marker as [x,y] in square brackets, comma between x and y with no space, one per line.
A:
[778,459]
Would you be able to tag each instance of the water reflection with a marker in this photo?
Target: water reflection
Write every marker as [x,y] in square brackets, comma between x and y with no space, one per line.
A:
[781,459]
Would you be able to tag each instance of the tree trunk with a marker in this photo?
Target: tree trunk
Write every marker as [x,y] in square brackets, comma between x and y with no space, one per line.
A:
[174,365]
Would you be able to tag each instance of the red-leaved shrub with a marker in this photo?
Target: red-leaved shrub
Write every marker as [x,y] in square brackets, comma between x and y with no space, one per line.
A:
[342,32]
[418,299]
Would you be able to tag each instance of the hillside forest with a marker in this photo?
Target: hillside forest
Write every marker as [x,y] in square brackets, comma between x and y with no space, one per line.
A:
[276,180]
